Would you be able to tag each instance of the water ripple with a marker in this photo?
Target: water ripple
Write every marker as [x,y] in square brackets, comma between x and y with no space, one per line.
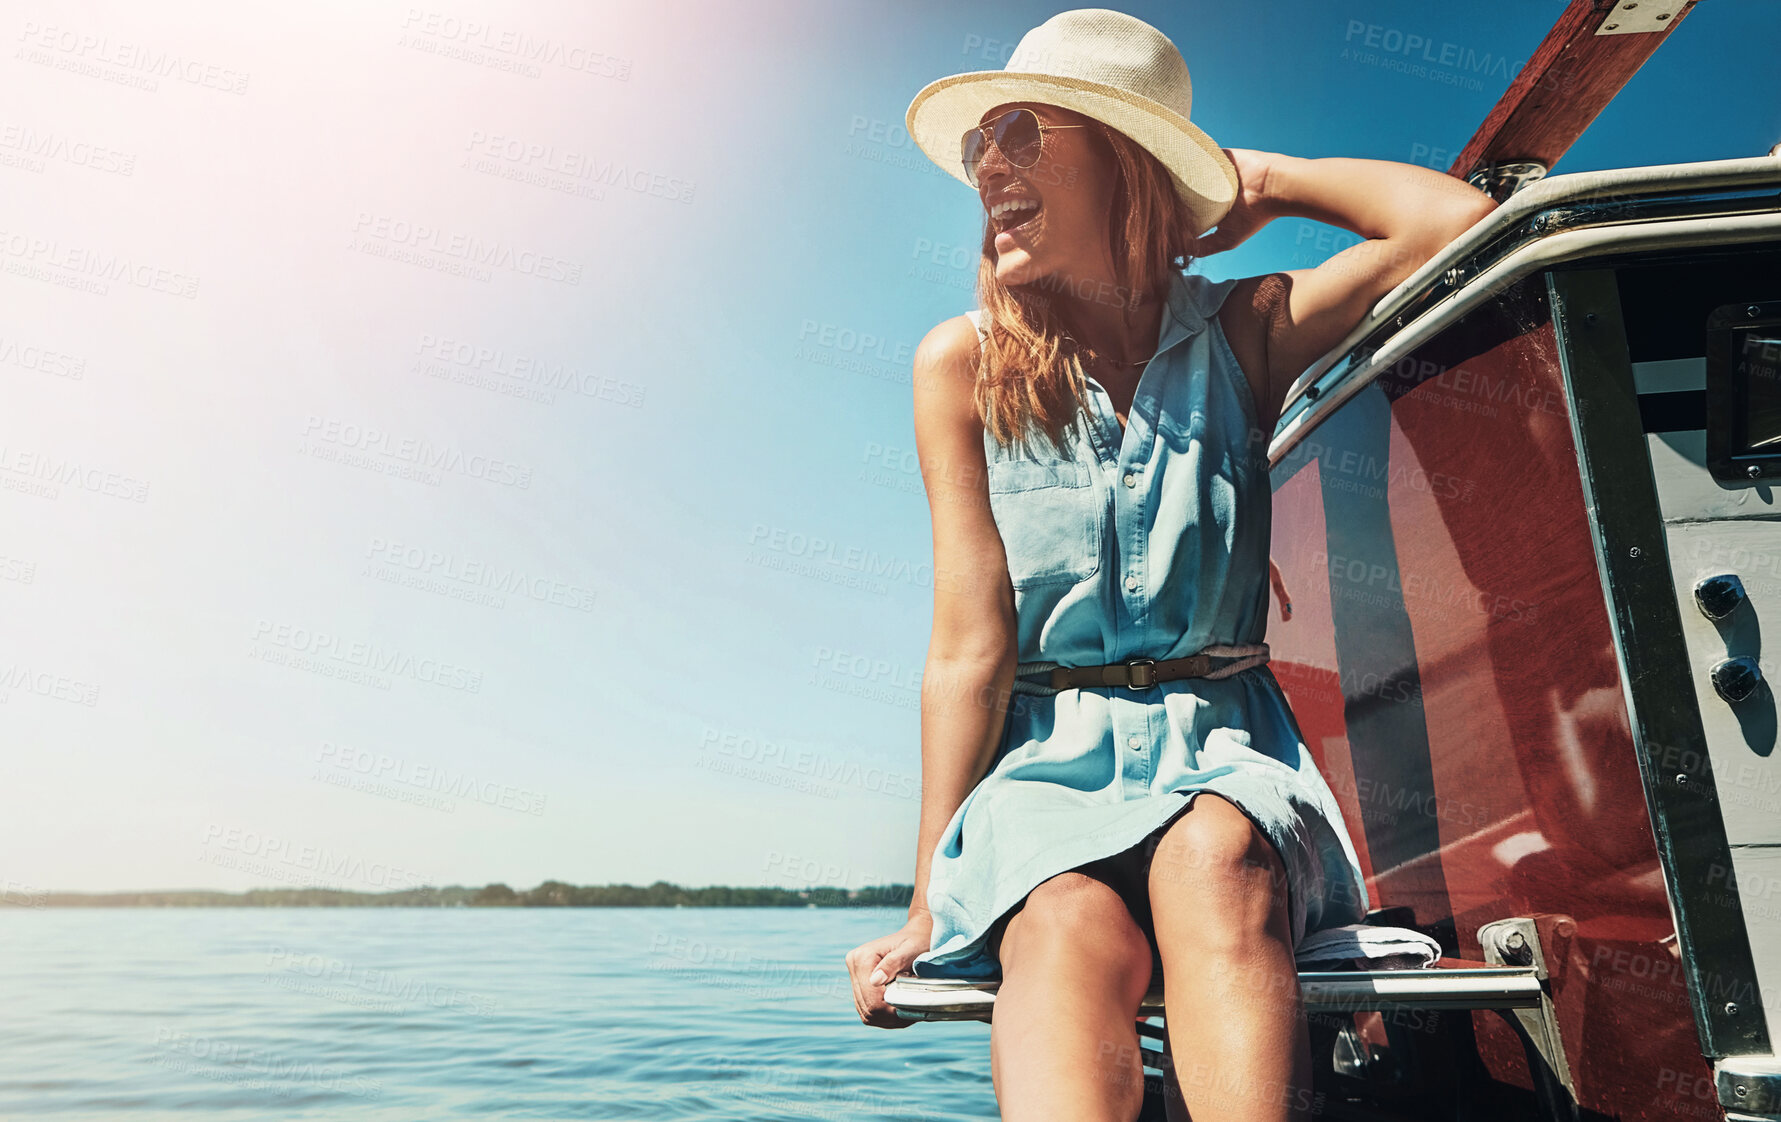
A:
[378,1014]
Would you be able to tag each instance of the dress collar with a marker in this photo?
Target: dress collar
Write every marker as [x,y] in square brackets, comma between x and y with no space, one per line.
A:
[1181,313]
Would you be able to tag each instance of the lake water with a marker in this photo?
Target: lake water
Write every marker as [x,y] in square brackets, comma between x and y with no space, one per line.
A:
[394,1013]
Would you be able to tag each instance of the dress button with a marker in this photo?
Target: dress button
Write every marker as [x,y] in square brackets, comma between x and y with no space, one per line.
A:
[1134,742]
[1131,480]
[1131,584]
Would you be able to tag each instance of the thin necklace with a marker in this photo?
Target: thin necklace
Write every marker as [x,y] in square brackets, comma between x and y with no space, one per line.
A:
[1120,365]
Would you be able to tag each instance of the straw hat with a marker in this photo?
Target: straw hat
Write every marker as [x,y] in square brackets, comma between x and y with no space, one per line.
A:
[1107,65]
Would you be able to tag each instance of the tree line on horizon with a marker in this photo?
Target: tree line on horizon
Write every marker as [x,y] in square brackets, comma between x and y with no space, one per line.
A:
[550,894]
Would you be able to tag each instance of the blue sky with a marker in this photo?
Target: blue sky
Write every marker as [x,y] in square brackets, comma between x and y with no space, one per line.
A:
[595,470]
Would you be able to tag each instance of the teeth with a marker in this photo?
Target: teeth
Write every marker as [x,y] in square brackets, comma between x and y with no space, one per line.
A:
[1003,208]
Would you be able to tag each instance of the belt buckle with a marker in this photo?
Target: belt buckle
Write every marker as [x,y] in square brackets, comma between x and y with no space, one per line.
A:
[1133,666]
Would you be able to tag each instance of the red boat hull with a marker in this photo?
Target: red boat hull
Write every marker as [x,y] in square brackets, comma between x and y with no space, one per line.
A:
[1450,659]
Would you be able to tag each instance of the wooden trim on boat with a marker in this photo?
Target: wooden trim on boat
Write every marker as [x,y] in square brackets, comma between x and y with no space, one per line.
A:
[1591,52]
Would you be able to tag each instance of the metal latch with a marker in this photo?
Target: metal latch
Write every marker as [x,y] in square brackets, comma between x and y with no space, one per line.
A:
[1516,942]
[1748,1085]
[1630,17]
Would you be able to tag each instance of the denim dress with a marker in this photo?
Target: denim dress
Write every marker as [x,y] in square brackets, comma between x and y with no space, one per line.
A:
[1151,542]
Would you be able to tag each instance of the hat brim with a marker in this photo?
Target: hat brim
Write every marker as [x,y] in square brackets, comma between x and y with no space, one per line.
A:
[1204,177]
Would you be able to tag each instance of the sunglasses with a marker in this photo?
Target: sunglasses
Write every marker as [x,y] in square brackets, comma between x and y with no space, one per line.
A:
[1018,134]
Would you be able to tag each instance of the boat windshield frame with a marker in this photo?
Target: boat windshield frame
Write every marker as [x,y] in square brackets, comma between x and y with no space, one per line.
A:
[1559,219]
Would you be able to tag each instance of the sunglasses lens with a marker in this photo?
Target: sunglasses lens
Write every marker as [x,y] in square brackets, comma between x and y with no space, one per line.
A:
[971,148]
[1017,135]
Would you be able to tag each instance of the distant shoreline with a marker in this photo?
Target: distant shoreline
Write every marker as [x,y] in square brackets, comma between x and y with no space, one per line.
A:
[550,894]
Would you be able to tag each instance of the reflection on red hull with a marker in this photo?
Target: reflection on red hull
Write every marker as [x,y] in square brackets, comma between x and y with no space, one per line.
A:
[1450,661]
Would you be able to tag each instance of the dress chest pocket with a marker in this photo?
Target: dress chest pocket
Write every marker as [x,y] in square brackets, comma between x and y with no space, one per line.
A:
[1049,515]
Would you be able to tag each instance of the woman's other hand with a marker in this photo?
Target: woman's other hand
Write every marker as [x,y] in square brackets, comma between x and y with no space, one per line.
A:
[873,965]
[1251,210]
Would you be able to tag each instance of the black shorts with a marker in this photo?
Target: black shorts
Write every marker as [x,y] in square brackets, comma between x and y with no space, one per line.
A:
[1128,874]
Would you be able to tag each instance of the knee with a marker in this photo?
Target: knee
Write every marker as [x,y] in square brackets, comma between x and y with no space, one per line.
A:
[1077,917]
[1215,863]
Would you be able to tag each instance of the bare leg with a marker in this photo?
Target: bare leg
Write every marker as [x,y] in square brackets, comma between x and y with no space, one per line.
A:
[1063,1032]
[1236,1021]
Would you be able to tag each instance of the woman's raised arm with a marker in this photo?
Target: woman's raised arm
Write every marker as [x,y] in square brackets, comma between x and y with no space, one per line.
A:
[1405,212]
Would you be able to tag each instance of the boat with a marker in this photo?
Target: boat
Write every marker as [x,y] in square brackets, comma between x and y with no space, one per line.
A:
[1526,541]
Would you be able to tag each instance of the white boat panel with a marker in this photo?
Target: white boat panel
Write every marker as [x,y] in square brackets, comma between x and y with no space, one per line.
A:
[1757,883]
[1686,491]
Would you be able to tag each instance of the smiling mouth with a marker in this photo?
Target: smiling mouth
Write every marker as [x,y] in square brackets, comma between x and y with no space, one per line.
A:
[1017,219]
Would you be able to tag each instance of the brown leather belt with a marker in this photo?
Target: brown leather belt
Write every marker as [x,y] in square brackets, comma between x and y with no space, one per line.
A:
[1140,673]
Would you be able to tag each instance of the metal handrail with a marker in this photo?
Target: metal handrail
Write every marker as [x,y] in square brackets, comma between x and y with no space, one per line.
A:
[1550,191]
[1556,248]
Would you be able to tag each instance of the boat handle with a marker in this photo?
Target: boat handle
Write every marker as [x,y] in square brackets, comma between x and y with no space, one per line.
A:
[1719,596]
[1735,679]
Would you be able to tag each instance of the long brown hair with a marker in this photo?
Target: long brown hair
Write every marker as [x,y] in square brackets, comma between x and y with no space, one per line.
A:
[1031,375]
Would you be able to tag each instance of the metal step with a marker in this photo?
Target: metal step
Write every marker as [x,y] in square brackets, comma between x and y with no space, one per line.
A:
[1450,984]
[1512,982]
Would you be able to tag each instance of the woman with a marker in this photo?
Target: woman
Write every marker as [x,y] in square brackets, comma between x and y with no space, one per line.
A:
[1093,445]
